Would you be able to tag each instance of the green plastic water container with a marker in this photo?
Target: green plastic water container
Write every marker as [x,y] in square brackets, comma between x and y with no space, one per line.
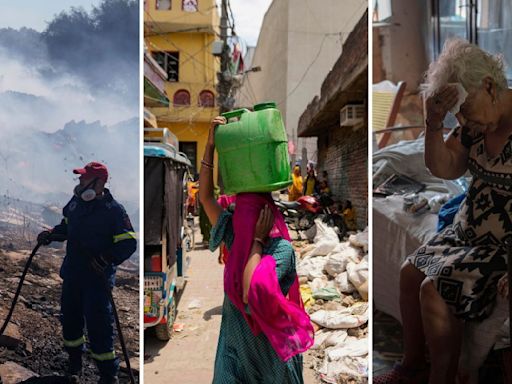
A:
[253,150]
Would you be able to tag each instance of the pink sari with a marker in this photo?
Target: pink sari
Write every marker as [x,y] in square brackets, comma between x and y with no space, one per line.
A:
[282,319]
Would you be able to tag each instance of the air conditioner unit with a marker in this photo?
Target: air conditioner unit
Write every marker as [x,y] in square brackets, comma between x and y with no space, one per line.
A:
[351,115]
[217,47]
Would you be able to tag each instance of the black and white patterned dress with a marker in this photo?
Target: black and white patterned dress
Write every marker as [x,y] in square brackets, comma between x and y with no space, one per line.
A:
[467,258]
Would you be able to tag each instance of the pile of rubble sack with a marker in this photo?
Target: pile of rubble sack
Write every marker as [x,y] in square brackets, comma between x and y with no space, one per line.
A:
[334,287]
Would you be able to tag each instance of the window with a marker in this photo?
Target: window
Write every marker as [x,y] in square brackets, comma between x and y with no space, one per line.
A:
[170,62]
[163,5]
[181,98]
[189,5]
[494,29]
[206,99]
[450,19]
[482,22]
[381,10]
[189,148]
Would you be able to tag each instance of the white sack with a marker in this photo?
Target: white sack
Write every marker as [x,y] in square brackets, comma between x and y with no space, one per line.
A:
[343,284]
[342,319]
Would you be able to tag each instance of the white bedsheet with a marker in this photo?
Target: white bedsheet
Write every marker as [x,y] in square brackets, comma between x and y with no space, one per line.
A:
[396,233]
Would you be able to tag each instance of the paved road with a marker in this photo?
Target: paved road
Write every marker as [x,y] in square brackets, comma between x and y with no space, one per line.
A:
[189,356]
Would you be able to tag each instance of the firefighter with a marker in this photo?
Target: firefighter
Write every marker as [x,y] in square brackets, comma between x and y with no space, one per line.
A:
[99,237]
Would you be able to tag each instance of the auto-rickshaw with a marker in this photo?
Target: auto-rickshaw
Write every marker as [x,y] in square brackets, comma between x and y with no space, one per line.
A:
[165,229]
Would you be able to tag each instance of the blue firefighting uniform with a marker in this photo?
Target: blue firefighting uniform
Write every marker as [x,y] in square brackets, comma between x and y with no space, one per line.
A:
[98,227]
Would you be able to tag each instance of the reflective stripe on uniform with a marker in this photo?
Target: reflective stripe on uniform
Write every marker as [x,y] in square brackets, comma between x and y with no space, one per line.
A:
[74,343]
[65,220]
[124,236]
[103,356]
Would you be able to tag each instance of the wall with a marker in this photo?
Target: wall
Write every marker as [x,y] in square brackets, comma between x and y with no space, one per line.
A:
[343,153]
[316,34]
[197,72]
[270,83]
[404,44]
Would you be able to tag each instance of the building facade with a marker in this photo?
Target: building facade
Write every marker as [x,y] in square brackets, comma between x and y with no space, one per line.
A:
[179,35]
[343,138]
[299,42]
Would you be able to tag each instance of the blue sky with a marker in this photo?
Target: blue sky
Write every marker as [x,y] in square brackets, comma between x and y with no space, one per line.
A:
[248,18]
[36,13]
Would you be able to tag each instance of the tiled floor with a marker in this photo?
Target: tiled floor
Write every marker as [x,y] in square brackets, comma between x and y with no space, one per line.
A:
[387,349]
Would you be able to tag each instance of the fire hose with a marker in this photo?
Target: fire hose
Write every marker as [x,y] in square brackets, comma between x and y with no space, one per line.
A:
[56,237]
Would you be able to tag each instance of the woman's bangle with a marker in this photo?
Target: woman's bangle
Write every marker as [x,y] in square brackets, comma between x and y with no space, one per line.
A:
[207,164]
[259,241]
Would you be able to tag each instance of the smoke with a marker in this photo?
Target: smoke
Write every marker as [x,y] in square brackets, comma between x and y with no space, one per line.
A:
[68,96]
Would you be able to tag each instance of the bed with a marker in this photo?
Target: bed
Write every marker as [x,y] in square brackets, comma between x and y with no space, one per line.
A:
[390,222]
[397,233]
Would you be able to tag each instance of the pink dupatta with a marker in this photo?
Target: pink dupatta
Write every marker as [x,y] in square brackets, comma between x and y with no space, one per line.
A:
[282,319]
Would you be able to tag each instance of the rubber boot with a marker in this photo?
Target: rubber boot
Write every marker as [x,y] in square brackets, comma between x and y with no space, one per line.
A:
[108,371]
[74,366]
[108,380]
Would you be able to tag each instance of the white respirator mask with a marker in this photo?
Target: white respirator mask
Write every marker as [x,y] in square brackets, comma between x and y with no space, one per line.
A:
[86,193]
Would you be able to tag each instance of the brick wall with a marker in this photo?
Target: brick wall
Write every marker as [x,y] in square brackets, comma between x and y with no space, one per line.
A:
[343,153]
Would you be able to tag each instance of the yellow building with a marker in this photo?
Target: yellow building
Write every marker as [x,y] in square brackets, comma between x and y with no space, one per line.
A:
[180,35]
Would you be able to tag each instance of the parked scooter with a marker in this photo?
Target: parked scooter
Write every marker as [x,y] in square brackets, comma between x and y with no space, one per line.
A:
[300,215]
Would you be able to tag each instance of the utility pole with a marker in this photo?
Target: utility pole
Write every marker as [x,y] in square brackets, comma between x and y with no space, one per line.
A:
[224,78]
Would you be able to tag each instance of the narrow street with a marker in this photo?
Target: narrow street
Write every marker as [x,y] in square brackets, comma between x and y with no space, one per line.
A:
[189,356]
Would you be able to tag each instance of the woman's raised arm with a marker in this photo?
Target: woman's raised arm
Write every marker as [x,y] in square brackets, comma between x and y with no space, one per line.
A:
[446,160]
[206,195]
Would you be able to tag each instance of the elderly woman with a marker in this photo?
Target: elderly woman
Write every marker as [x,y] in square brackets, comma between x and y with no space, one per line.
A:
[455,276]
[264,327]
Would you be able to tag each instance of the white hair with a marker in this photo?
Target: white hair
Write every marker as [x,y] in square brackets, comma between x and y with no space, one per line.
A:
[465,63]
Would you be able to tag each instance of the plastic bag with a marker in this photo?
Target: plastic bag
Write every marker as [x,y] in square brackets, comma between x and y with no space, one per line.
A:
[324,232]
[326,293]
[306,295]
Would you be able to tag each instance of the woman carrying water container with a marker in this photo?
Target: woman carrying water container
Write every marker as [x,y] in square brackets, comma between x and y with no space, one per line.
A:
[264,327]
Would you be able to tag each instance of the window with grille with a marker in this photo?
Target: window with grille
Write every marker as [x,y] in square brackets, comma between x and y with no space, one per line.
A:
[163,5]
[206,99]
[486,23]
[170,62]
[189,5]
[181,98]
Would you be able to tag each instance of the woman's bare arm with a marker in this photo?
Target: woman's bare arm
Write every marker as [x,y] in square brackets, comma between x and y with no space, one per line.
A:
[206,195]
[263,227]
[445,159]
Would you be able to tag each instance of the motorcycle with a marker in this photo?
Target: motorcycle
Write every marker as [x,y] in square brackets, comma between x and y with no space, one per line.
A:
[300,215]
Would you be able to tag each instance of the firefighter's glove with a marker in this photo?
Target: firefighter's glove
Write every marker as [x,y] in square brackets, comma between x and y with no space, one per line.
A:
[44,238]
[101,262]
